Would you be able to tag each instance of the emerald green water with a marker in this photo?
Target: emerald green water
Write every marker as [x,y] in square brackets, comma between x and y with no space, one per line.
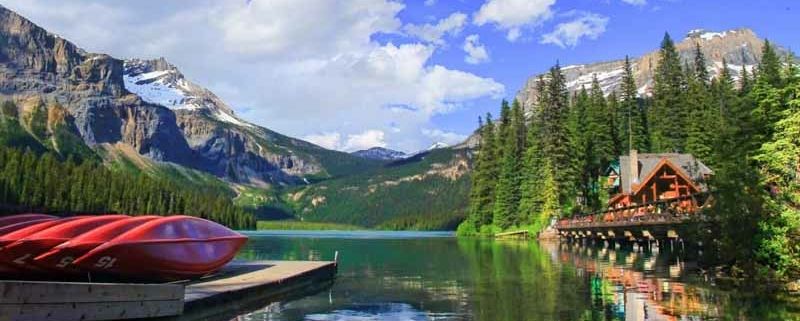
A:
[434,276]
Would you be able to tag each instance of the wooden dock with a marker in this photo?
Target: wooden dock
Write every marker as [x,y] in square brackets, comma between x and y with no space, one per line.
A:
[522,234]
[236,288]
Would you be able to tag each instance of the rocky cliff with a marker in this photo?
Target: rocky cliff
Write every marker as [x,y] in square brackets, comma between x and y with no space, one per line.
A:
[741,48]
[149,106]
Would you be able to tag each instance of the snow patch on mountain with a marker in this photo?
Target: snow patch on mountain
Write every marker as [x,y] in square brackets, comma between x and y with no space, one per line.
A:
[438,145]
[153,88]
[158,82]
[380,153]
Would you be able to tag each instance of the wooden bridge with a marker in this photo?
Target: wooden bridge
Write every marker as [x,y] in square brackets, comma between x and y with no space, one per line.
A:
[659,220]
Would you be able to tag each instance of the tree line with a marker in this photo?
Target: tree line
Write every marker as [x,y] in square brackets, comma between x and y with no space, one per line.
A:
[546,161]
[31,181]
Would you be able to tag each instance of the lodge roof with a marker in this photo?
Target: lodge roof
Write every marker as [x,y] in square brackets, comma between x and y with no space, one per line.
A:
[687,163]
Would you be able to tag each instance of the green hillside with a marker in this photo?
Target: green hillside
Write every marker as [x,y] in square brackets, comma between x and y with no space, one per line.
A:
[428,191]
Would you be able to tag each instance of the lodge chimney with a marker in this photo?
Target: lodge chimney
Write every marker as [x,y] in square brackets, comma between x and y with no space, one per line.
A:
[634,163]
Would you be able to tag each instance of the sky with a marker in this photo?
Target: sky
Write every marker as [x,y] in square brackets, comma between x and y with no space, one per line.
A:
[355,74]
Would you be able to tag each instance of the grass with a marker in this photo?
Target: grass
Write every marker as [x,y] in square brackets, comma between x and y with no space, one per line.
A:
[300,225]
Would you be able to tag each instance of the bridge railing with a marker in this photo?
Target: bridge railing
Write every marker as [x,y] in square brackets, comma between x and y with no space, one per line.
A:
[673,210]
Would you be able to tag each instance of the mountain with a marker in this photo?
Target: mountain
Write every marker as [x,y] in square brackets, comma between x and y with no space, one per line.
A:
[741,48]
[76,102]
[428,190]
[380,153]
[438,145]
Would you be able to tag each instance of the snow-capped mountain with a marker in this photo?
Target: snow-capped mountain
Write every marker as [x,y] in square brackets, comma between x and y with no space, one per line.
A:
[146,111]
[438,145]
[159,82]
[380,153]
[740,48]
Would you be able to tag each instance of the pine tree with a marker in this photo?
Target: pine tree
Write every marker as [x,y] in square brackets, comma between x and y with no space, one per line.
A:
[484,177]
[702,121]
[616,114]
[766,93]
[779,160]
[668,113]
[508,184]
[700,68]
[633,133]
[530,205]
[556,140]
[602,119]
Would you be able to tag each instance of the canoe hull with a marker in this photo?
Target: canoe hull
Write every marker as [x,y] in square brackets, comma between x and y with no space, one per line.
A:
[163,260]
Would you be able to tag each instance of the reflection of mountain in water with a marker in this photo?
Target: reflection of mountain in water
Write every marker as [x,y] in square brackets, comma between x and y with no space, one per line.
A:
[382,311]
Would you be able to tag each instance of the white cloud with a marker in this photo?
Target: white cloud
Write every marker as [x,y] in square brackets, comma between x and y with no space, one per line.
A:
[367,139]
[299,67]
[514,15]
[302,28]
[452,25]
[449,138]
[569,34]
[430,2]
[476,51]
[635,2]
[364,140]
[330,140]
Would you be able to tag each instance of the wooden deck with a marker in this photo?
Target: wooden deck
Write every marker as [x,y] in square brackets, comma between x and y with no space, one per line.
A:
[523,234]
[236,288]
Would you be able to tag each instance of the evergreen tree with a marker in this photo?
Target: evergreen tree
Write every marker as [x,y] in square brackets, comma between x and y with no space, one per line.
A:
[556,140]
[779,160]
[703,120]
[700,67]
[668,113]
[508,185]
[766,93]
[484,179]
[603,124]
[633,133]
[531,202]
[581,131]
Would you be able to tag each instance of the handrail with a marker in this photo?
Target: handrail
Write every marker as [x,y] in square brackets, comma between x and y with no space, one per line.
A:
[668,211]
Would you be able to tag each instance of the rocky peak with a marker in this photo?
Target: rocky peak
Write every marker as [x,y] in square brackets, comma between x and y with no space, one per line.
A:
[380,153]
[28,46]
[159,82]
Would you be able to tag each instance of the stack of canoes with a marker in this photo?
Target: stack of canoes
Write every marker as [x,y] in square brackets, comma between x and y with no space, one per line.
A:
[139,247]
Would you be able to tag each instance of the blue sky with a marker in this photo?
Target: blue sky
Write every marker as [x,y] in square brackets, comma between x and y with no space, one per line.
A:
[352,74]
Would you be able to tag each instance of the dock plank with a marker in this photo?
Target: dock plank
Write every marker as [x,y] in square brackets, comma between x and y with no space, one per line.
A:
[37,292]
[272,273]
[90,310]
[240,286]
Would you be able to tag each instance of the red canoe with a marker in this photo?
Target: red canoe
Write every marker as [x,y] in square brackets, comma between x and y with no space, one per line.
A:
[18,234]
[21,252]
[168,248]
[20,218]
[18,226]
[13,233]
[60,257]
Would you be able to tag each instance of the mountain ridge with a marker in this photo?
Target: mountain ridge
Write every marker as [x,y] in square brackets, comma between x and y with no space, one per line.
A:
[106,101]
[741,48]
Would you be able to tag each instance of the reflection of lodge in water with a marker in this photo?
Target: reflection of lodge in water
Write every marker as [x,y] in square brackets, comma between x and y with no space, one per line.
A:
[633,295]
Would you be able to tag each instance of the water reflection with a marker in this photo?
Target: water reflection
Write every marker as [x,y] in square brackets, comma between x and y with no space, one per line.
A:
[443,278]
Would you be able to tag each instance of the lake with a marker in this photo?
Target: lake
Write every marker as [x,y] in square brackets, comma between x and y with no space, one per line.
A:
[434,276]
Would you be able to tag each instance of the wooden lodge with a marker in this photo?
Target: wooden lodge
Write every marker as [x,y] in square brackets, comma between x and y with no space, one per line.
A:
[647,178]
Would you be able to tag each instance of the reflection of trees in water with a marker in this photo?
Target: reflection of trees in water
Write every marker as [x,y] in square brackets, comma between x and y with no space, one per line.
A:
[637,286]
[518,280]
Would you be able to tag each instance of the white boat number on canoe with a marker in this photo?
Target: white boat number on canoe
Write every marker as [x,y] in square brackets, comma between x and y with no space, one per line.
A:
[65,261]
[21,260]
[105,262]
